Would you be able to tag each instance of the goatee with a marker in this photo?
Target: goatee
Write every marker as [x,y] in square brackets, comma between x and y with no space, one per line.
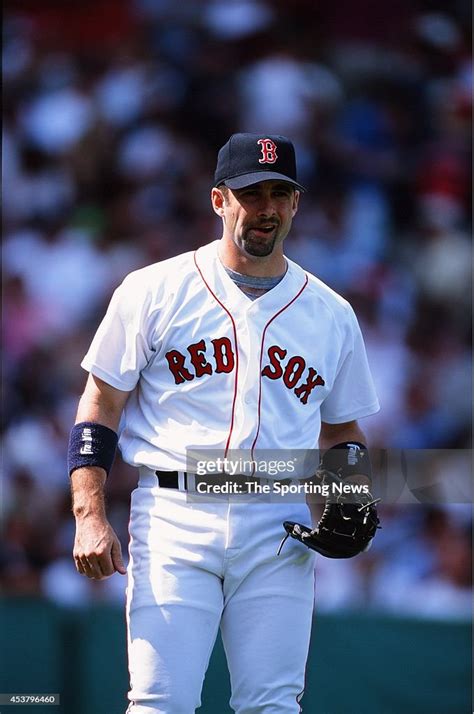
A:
[255,245]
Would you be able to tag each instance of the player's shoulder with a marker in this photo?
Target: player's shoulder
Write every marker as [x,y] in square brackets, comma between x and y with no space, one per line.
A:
[163,272]
[324,295]
[325,292]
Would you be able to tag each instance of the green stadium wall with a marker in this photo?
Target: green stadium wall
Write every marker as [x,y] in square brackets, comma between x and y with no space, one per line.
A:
[358,663]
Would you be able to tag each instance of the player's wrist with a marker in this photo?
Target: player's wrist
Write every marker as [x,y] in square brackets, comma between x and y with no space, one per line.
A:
[90,512]
[92,474]
[91,445]
[350,461]
[87,486]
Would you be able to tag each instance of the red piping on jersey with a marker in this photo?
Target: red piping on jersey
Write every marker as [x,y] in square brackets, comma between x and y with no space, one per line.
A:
[236,350]
[261,358]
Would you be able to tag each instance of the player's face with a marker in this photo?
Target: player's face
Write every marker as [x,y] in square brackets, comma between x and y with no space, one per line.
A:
[257,218]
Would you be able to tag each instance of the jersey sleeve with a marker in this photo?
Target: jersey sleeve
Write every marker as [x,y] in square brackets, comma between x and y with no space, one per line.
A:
[353,393]
[121,347]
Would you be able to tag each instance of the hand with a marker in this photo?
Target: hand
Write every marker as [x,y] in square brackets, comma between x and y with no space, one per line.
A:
[97,551]
[344,530]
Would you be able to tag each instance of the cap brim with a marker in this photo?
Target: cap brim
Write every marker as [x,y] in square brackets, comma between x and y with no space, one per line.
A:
[257,177]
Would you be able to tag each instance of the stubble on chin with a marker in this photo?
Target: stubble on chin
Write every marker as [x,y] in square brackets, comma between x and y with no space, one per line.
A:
[257,248]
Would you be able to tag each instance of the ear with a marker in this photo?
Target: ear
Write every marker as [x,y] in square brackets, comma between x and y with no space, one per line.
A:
[217,200]
[296,200]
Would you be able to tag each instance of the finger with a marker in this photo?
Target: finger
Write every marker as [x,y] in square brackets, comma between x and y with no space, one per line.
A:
[82,565]
[117,558]
[106,565]
[96,564]
[85,568]
[92,568]
[78,565]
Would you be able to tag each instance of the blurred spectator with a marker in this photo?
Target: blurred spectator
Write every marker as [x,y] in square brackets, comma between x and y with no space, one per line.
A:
[443,588]
[238,18]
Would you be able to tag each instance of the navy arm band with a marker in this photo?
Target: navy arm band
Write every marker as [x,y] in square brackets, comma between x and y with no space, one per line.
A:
[349,458]
[91,444]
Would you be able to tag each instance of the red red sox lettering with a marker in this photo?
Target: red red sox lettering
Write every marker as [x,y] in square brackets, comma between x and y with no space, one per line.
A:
[294,373]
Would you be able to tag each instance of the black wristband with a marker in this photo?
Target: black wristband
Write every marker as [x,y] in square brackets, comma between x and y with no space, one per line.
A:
[349,458]
[91,444]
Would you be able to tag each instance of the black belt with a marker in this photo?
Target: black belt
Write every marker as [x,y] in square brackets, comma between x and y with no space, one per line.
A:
[170,479]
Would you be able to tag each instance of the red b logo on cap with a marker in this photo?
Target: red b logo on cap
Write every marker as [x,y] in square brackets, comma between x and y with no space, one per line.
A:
[269,151]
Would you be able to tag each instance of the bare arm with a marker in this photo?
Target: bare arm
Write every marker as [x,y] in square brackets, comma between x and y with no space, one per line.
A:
[332,434]
[97,551]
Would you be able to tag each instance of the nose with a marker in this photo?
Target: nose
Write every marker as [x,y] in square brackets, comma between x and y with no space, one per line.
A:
[266,207]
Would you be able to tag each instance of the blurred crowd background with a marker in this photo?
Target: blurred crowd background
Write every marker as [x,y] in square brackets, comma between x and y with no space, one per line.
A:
[113,114]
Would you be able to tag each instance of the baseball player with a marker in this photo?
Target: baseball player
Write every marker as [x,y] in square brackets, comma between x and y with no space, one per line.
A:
[232,348]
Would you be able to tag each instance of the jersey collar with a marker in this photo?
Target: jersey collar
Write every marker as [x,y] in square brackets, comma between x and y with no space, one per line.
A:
[215,275]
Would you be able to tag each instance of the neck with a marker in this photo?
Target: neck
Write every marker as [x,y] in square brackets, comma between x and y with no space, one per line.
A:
[269,266]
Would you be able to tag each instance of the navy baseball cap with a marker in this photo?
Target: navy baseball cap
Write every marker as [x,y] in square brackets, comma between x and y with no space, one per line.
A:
[249,158]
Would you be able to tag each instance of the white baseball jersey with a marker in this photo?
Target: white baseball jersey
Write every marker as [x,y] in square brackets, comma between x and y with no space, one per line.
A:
[211,368]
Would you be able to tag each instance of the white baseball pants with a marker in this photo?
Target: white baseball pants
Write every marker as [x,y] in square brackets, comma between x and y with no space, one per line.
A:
[197,566]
